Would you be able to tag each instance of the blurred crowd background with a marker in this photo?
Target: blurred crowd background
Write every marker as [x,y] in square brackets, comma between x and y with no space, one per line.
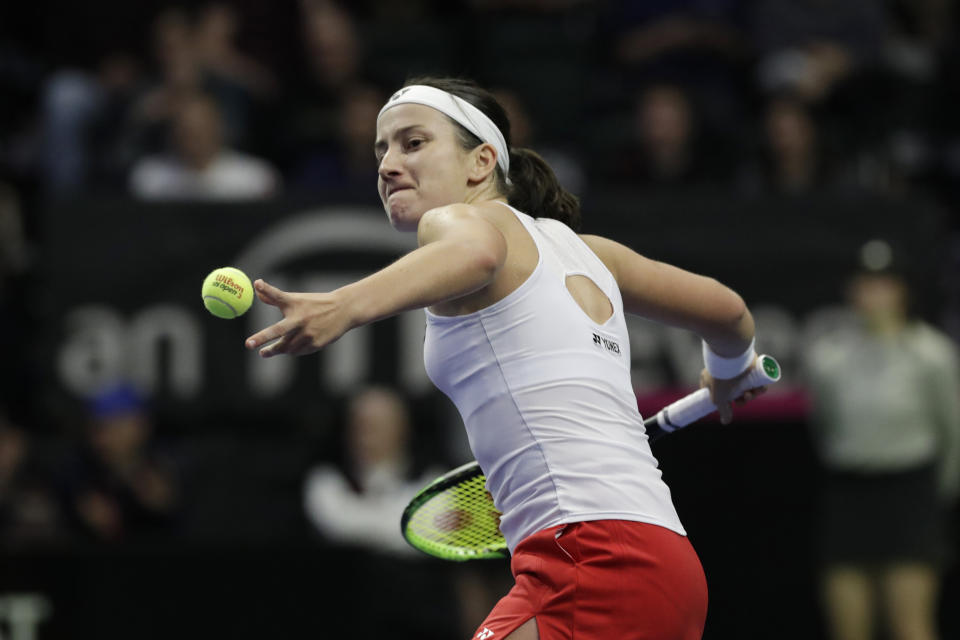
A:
[757,95]
[109,499]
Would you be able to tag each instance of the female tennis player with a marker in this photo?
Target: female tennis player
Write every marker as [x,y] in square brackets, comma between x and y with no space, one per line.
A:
[526,334]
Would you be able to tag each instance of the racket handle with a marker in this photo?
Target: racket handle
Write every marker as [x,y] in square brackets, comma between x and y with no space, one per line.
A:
[694,406]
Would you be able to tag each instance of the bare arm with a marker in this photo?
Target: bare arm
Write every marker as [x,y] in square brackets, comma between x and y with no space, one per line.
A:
[679,298]
[460,252]
[686,300]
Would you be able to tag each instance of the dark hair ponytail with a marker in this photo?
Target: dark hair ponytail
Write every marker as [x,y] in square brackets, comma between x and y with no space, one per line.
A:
[533,187]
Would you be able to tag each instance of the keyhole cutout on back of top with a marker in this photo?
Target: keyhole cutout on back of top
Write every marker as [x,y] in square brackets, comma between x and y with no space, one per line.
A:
[591,299]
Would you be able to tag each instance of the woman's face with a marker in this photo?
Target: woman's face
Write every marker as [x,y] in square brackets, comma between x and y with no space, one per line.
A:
[421,163]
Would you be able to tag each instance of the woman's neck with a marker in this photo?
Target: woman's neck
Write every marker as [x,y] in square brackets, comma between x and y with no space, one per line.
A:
[484,192]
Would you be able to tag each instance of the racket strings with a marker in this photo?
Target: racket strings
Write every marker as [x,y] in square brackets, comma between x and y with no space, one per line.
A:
[458,523]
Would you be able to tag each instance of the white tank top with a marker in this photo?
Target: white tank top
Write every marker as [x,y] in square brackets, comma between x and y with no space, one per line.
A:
[546,397]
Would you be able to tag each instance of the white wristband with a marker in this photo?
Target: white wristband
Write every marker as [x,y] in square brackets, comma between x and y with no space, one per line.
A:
[725,368]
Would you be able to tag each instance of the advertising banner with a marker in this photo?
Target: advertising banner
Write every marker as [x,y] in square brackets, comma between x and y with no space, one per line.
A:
[121,292]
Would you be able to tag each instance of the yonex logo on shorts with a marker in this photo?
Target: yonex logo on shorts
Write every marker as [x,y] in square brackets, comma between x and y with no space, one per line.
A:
[486,633]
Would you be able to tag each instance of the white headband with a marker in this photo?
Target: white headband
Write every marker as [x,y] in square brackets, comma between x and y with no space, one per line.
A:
[474,120]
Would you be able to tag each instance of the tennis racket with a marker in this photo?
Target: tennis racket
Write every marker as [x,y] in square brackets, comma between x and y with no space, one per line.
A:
[454,518]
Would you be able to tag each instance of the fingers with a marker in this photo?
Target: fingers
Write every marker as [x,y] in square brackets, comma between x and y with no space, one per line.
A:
[726,413]
[280,346]
[294,343]
[750,394]
[706,382]
[272,332]
[269,294]
[722,389]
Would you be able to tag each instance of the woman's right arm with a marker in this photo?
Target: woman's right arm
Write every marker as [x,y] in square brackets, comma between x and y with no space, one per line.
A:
[460,252]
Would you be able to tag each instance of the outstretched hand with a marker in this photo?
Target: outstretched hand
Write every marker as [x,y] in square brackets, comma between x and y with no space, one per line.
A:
[310,321]
[722,392]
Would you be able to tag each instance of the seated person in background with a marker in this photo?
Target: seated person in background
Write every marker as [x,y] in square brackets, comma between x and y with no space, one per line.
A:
[702,43]
[326,76]
[219,54]
[790,159]
[793,144]
[200,165]
[363,502]
[194,53]
[666,146]
[119,487]
[344,162]
[524,133]
[28,509]
[814,48]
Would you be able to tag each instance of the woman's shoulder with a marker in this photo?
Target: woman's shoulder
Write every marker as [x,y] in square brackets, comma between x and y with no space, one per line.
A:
[489,210]
[496,212]
[609,251]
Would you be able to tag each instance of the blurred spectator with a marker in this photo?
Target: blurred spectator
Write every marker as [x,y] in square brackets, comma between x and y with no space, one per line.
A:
[311,115]
[888,430]
[69,105]
[177,77]
[332,47]
[920,30]
[21,80]
[666,148]
[200,165]
[900,131]
[811,47]
[236,80]
[82,142]
[654,31]
[793,145]
[524,134]
[17,318]
[217,50]
[346,163]
[931,156]
[97,124]
[13,245]
[29,512]
[699,44]
[792,159]
[194,56]
[361,503]
[120,487]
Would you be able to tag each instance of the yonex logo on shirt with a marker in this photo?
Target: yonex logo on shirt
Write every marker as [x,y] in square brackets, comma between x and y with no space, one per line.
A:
[610,345]
[486,633]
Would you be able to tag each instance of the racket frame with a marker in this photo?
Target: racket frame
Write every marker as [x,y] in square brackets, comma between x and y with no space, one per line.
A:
[447,481]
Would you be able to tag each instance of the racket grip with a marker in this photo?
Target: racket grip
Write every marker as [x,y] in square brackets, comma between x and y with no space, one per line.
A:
[694,406]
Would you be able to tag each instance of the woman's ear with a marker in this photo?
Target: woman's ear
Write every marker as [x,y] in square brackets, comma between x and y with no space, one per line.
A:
[484,162]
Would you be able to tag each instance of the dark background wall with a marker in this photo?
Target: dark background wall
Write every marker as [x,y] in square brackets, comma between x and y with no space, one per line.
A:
[243,561]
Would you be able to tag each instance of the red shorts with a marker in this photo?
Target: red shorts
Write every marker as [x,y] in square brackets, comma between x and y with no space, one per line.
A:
[603,580]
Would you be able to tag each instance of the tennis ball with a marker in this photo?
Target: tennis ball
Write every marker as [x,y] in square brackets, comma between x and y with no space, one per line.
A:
[227,292]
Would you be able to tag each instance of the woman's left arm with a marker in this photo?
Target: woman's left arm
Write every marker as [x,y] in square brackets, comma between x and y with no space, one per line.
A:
[460,252]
